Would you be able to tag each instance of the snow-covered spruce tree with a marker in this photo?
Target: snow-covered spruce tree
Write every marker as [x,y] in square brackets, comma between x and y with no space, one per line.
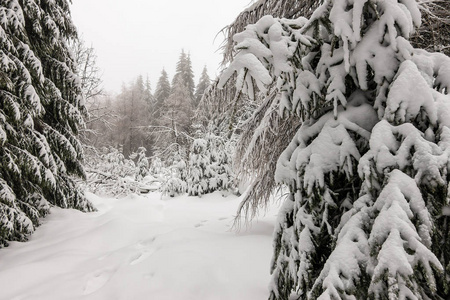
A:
[220,164]
[200,170]
[40,103]
[367,170]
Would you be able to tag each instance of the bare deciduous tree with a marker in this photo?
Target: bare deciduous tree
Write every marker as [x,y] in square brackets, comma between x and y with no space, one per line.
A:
[87,69]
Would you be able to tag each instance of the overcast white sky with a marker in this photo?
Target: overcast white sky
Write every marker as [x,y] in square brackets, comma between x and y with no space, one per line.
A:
[144,36]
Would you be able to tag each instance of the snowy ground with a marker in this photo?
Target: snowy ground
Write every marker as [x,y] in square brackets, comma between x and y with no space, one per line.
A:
[141,247]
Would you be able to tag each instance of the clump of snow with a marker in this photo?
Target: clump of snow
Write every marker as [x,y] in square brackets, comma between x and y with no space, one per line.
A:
[403,147]
[408,95]
[325,145]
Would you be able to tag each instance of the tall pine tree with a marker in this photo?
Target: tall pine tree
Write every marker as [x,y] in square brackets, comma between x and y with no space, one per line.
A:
[184,73]
[40,113]
[202,85]
[188,76]
[162,92]
[176,118]
[367,170]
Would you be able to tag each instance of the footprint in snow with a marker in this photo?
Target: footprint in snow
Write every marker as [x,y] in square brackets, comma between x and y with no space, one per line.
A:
[140,256]
[202,223]
[103,257]
[149,276]
[144,243]
[96,281]
[144,251]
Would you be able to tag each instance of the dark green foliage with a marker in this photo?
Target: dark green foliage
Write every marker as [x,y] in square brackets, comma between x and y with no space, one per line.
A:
[40,114]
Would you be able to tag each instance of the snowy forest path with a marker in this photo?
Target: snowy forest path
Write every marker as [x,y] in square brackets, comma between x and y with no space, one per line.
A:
[142,247]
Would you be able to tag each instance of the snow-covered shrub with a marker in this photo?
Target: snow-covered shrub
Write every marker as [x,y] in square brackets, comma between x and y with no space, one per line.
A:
[114,162]
[157,170]
[156,166]
[367,170]
[141,164]
[173,186]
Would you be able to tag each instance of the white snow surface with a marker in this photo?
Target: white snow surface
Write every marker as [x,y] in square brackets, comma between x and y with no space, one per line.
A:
[142,247]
